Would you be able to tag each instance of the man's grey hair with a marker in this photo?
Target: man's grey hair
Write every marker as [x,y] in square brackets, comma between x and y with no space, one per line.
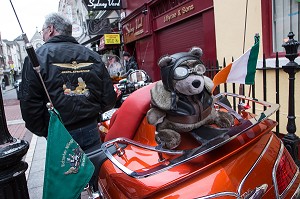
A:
[61,24]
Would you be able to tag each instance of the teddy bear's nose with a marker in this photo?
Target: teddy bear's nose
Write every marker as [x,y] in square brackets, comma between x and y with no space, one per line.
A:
[196,83]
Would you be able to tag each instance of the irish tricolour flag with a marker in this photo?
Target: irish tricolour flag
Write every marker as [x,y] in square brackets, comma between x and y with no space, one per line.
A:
[242,70]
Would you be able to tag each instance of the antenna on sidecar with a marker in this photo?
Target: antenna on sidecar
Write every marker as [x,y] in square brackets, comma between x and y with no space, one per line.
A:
[32,55]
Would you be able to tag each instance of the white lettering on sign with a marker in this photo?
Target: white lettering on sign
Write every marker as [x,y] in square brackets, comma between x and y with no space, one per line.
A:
[97,3]
[138,23]
[170,17]
[179,12]
[129,28]
[135,29]
[187,9]
[112,3]
[94,5]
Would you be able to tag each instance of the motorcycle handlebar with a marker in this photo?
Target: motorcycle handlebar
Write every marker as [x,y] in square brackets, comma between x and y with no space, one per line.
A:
[130,87]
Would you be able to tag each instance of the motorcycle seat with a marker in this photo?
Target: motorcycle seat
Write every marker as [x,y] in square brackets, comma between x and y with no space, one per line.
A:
[126,120]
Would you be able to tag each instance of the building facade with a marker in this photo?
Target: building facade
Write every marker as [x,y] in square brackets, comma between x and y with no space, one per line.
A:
[13,63]
[90,24]
[12,56]
[223,30]
[157,27]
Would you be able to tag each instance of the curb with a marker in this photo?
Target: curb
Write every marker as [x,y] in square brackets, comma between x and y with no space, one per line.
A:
[30,154]
[6,90]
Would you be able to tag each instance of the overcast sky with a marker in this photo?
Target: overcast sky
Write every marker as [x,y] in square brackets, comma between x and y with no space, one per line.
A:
[31,14]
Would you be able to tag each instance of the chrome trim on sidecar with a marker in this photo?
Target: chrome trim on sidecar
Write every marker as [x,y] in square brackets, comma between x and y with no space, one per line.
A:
[187,155]
[255,163]
[249,193]
[296,195]
[280,153]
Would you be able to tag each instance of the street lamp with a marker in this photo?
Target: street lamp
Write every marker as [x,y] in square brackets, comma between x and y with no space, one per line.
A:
[291,140]
[13,182]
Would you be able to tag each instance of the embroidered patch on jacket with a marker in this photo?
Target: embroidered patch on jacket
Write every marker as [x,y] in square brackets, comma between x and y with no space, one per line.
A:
[74,65]
[68,70]
[81,89]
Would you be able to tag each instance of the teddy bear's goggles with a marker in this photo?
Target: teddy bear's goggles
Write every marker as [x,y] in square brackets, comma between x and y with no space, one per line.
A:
[182,72]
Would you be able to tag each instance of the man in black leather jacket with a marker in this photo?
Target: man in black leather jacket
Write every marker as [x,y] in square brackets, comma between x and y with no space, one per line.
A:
[77,81]
[130,62]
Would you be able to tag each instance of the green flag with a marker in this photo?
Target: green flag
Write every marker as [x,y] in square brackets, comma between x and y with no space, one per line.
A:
[67,168]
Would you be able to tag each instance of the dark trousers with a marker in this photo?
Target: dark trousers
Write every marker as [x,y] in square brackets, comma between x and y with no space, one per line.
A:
[87,137]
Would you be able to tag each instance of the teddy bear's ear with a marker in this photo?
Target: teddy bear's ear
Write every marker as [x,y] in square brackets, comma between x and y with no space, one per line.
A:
[164,61]
[196,51]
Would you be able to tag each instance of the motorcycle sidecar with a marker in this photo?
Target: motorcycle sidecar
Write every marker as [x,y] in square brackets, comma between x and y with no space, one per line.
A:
[246,160]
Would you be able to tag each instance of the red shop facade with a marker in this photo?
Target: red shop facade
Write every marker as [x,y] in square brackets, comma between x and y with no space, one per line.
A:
[162,27]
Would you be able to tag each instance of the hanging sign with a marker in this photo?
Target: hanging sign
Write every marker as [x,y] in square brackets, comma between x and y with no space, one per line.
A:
[112,39]
[101,43]
[98,26]
[77,30]
[103,5]
[135,29]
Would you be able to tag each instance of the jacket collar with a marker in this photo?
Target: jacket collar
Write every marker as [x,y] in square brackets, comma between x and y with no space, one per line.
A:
[62,38]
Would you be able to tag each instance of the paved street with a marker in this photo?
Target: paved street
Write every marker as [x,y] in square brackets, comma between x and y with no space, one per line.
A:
[36,154]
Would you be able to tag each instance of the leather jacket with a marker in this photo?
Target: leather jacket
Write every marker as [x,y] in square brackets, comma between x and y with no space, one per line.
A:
[77,81]
[131,64]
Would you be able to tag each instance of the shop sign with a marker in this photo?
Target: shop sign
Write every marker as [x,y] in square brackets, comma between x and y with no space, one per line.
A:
[135,29]
[109,39]
[178,14]
[103,5]
[123,14]
[77,30]
[101,43]
[98,26]
[112,39]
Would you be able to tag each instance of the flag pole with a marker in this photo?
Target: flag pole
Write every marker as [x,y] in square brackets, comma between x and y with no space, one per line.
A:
[245,26]
[242,86]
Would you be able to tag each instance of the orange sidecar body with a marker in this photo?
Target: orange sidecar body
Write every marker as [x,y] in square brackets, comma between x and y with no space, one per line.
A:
[245,161]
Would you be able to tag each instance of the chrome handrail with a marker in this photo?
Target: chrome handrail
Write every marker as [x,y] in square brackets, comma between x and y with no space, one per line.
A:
[187,155]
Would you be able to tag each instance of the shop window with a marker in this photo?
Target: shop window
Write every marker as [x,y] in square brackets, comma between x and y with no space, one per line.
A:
[279,17]
[285,19]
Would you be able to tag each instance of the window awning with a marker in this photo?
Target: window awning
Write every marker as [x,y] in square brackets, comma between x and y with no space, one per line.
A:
[89,39]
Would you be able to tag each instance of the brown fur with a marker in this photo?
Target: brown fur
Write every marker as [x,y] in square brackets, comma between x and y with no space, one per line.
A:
[168,132]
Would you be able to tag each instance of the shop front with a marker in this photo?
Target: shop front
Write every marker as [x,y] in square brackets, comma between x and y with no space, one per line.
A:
[138,40]
[166,27]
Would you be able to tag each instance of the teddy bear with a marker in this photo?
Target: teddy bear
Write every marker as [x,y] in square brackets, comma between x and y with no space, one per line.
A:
[182,100]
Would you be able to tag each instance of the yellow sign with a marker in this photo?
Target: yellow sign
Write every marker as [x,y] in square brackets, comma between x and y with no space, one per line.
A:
[112,39]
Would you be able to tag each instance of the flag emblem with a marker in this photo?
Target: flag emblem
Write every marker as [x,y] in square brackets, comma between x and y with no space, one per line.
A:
[67,169]
[74,161]
[242,70]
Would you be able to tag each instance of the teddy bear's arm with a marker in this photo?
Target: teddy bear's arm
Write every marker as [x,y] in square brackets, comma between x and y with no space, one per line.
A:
[155,116]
